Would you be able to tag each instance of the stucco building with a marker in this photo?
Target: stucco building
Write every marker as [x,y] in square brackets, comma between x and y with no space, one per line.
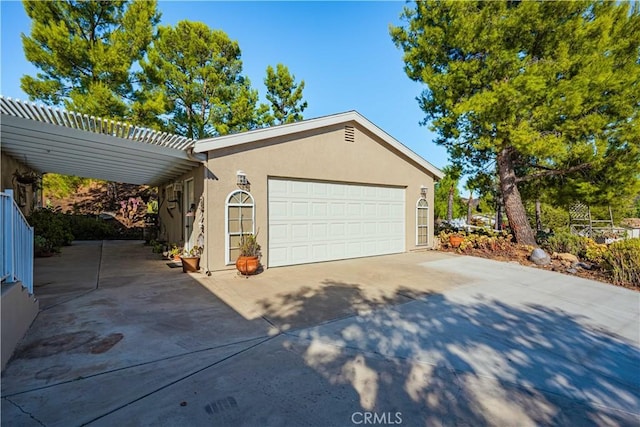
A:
[330,188]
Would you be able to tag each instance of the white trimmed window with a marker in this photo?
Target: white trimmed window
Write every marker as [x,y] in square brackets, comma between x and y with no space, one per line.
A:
[422,222]
[240,220]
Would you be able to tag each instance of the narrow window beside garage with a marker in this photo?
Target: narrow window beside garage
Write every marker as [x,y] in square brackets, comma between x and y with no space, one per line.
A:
[422,222]
[240,221]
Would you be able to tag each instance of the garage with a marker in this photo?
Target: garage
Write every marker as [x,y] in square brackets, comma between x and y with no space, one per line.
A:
[313,221]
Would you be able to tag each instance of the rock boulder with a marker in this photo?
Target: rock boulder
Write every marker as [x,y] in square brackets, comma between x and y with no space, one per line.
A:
[540,257]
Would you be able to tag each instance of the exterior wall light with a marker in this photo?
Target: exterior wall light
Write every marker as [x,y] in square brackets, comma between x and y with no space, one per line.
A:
[423,191]
[241,178]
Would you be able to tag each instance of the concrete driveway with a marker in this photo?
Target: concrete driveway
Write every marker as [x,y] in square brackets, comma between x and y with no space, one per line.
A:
[416,339]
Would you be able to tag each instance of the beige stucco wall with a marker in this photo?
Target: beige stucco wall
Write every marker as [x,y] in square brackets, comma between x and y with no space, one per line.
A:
[172,219]
[321,155]
[19,309]
[8,166]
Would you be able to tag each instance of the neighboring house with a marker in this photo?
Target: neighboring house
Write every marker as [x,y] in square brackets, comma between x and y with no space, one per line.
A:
[330,188]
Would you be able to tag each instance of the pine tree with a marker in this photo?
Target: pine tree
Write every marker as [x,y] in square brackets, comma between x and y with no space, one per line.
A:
[542,90]
[198,73]
[85,51]
[284,95]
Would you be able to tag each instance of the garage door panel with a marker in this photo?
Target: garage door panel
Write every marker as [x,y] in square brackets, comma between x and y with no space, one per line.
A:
[337,250]
[337,209]
[336,230]
[299,232]
[320,251]
[278,187]
[319,189]
[369,228]
[300,210]
[319,221]
[299,253]
[299,187]
[319,210]
[278,209]
[354,229]
[319,231]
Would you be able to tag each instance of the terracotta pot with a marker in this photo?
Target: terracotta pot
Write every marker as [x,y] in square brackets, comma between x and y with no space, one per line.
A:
[455,241]
[247,264]
[190,264]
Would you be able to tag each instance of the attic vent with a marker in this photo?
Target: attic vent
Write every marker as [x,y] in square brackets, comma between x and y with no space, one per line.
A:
[349,134]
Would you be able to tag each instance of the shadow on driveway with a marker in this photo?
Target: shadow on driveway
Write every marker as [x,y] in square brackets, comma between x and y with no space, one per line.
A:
[460,356]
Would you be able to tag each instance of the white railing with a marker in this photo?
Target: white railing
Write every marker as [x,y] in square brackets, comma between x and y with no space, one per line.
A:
[16,244]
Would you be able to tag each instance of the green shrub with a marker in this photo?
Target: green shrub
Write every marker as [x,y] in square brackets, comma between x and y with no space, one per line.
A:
[87,227]
[622,260]
[51,226]
[595,252]
[565,242]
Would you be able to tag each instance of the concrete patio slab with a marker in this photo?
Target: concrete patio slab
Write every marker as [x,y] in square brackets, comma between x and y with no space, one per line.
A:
[413,339]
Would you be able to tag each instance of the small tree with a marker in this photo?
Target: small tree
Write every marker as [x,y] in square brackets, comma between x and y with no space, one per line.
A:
[447,195]
[284,95]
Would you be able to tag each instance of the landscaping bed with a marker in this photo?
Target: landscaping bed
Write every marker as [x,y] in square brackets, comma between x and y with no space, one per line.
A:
[617,264]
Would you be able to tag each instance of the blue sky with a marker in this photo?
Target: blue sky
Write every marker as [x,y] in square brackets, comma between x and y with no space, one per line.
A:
[342,50]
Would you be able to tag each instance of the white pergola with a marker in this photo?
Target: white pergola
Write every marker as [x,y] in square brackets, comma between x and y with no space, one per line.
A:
[48,139]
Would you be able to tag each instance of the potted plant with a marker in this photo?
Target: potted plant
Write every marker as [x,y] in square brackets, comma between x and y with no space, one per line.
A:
[174,253]
[455,240]
[191,259]
[27,178]
[248,261]
[454,227]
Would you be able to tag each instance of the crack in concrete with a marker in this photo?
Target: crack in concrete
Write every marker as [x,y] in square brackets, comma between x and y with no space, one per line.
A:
[85,293]
[179,380]
[175,356]
[24,412]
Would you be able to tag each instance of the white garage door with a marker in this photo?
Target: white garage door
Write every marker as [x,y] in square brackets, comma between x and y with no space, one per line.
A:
[318,221]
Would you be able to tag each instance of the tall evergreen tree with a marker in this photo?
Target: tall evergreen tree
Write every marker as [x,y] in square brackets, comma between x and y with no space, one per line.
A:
[198,72]
[543,90]
[284,95]
[85,52]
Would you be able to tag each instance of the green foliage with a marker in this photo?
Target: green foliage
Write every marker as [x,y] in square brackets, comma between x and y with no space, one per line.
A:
[152,207]
[197,73]
[446,192]
[157,247]
[441,198]
[249,245]
[175,251]
[61,186]
[553,218]
[85,52]
[194,252]
[595,252]
[622,260]
[565,242]
[87,227]
[52,227]
[480,240]
[552,87]
[285,96]
[106,59]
